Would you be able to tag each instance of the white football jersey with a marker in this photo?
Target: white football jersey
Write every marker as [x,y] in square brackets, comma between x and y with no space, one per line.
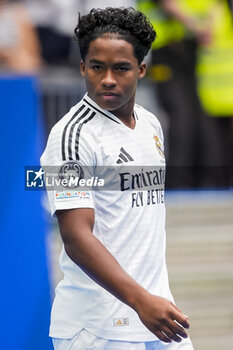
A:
[129,216]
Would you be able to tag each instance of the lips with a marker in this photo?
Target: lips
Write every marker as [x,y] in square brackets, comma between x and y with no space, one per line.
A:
[108,96]
[107,93]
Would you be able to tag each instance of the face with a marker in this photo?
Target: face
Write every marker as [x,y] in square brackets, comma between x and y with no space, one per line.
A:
[111,72]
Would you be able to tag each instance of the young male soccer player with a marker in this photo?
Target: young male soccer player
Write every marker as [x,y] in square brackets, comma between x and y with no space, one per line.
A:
[115,292]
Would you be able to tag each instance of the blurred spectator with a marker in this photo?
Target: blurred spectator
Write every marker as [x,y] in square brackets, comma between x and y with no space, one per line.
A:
[215,73]
[54,21]
[19,48]
[194,140]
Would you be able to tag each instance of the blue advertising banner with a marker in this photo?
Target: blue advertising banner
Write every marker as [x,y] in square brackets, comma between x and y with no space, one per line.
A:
[24,294]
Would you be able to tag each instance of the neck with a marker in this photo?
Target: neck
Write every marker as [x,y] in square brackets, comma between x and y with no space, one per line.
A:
[125,114]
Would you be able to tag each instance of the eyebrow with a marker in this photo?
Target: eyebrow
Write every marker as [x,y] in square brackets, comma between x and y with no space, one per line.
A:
[93,60]
[123,63]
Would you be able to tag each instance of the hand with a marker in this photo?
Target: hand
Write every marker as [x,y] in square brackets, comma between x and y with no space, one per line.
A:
[163,318]
[204,36]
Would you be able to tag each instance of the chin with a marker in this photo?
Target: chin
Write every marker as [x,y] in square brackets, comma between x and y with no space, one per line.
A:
[108,105]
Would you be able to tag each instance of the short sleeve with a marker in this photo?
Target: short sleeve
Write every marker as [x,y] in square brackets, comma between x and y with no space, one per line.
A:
[61,172]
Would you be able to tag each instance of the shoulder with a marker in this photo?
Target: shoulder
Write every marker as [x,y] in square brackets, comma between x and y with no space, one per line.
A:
[79,119]
[147,116]
[150,121]
[71,134]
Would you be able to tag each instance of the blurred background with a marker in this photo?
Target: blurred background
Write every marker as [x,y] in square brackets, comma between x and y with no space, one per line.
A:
[189,87]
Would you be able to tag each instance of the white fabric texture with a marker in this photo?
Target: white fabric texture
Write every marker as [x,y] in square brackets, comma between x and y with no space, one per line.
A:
[84,340]
[130,222]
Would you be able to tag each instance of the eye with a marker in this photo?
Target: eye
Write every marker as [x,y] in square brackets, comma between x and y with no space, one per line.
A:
[122,69]
[96,67]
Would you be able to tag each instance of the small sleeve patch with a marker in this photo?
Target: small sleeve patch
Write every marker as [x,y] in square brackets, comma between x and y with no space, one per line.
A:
[70,195]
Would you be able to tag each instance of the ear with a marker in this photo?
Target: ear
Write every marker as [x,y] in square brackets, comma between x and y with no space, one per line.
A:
[82,68]
[142,70]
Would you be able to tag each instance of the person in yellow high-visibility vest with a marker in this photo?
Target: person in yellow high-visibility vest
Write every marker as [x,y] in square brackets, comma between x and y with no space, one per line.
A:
[183,27]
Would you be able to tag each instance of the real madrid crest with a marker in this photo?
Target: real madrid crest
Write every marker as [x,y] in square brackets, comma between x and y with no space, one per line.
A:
[159,146]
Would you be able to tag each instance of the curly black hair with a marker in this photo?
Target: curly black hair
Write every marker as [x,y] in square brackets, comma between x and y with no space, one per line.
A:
[127,23]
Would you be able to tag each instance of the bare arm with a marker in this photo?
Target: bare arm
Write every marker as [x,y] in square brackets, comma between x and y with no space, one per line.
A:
[201,30]
[24,56]
[157,314]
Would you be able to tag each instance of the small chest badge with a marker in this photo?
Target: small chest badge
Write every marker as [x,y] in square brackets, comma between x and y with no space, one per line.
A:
[159,146]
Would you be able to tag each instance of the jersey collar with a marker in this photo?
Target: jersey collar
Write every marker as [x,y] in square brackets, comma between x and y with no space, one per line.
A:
[106,113]
[96,107]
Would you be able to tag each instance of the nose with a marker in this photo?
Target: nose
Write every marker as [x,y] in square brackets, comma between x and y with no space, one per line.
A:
[108,79]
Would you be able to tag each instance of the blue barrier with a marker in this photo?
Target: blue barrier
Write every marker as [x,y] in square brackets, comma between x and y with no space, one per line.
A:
[24,293]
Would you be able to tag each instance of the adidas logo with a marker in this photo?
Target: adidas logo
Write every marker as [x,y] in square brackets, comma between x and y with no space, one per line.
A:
[124,157]
[119,322]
